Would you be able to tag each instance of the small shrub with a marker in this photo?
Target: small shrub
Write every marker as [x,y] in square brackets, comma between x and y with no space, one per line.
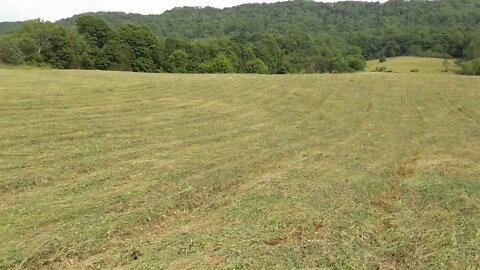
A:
[356,63]
[381,69]
[281,70]
[445,65]
[382,59]
[339,65]
[256,66]
[471,67]
[321,64]
[221,64]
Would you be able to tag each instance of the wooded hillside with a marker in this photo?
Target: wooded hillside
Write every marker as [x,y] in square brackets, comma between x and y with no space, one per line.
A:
[287,37]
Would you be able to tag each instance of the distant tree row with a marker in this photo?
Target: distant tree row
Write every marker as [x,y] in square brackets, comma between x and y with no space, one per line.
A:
[93,44]
[293,36]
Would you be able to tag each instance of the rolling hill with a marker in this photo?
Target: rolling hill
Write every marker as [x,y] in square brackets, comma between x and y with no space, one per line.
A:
[7,27]
[341,18]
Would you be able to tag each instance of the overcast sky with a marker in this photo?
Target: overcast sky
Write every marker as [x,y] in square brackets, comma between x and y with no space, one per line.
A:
[52,10]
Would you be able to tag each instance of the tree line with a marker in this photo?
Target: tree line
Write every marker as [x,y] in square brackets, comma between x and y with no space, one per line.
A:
[93,44]
[295,36]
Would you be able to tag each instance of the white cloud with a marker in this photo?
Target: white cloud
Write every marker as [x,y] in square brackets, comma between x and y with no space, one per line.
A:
[52,10]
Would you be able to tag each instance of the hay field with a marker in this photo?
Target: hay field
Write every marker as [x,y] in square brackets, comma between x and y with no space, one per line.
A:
[350,171]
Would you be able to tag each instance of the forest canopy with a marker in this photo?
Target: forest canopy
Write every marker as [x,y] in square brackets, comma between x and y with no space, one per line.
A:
[287,37]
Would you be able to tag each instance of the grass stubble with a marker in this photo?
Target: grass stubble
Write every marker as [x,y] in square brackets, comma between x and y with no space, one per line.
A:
[351,171]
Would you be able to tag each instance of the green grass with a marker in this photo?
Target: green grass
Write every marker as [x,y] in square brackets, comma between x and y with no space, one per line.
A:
[406,64]
[159,171]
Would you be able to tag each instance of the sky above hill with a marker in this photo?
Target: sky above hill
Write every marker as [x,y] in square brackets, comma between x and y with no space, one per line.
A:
[52,10]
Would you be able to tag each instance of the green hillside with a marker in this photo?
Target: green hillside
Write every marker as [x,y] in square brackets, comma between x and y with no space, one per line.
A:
[397,27]
[148,171]
[7,27]
[286,37]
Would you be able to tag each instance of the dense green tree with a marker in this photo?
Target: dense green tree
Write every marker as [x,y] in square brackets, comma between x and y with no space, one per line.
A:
[97,34]
[473,49]
[173,44]
[256,66]
[94,29]
[144,48]
[339,65]
[116,55]
[321,64]
[266,49]
[471,65]
[178,61]
[220,64]
[10,53]
[64,49]
[33,38]
[44,42]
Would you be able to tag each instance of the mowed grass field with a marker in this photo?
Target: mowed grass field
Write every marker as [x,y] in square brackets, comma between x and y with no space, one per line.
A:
[405,64]
[158,171]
